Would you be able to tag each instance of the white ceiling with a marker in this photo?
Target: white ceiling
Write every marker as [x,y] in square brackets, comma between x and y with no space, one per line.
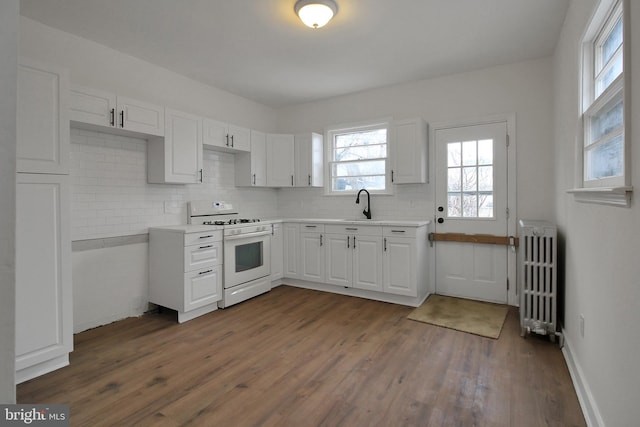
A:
[260,50]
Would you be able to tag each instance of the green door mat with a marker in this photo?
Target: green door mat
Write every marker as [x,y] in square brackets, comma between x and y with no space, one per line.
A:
[475,317]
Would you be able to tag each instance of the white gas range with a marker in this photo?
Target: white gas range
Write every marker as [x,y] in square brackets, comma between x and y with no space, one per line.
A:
[246,248]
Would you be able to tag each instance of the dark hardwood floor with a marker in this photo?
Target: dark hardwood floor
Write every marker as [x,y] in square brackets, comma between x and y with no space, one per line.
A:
[296,357]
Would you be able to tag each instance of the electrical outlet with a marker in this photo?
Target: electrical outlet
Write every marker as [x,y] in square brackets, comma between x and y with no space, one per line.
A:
[582,326]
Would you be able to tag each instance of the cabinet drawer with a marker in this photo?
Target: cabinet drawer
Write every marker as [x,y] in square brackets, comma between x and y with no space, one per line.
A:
[312,227]
[202,255]
[354,229]
[389,231]
[205,237]
[202,287]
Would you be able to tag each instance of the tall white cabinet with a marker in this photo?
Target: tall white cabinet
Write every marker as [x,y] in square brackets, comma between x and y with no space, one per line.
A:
[280,159]
[44,322]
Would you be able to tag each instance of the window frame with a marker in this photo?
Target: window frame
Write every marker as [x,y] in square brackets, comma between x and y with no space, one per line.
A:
[332,131]
[608,190]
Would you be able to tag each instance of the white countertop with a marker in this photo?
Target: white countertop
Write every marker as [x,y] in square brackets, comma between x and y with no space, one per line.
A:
[381,222]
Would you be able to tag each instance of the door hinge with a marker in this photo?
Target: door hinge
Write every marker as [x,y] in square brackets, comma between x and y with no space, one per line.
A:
[507,284]
[508,142]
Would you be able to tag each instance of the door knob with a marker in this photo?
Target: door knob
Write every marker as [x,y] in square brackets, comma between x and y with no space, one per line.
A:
[440,220]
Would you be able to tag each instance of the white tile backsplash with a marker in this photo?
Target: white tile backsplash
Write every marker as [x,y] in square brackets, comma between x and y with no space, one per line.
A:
[111,196]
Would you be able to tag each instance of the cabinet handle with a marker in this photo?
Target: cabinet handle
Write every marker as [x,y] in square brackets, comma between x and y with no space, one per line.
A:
[206,247]
[112,122]
[348,241]
[231,140]
[351,228]
[205,237]
[385,245]
[254,179]
[200,175]
[397,231]
[391,175]
[354,242]
[310,226]
[205,272]
[122,119]
[227,144]
[273,229]
[321,240]
[292,180]
[309,180]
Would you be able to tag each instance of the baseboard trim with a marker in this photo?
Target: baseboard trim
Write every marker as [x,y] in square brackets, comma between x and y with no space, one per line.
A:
[585,397]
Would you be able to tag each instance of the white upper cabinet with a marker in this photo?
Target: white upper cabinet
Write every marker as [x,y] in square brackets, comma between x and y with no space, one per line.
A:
[43,121]
[408,151]
[99,108]
[251,167]
[309,169]
[280,160]
[226,137]
[176,158]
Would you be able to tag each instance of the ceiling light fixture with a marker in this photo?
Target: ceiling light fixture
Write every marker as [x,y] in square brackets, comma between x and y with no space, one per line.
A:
[316,13]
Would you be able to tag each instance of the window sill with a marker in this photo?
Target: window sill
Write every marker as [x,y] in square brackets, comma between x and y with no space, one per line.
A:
[616,196]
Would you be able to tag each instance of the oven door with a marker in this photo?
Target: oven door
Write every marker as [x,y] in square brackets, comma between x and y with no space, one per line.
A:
[246,258]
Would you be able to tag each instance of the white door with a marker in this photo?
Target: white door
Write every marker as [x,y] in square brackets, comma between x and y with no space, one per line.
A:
[367,262]
[471,199]
[339,259]
[312,256]
[183,147]
[280,158]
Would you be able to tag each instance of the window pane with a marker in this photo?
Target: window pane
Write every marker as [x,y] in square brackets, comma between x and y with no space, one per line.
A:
[469,153]
[356,183]
[367,167]
[613,41]
[378,136]
[485,178]
[454,179]
[605,160]
[606,121]
[455,153]
[485,152]
[359,152]
[610,73]
[454,205]
[469,179]
[470,205]
[485,205]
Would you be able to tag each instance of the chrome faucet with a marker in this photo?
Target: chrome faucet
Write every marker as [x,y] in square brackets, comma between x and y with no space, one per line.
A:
[367,210]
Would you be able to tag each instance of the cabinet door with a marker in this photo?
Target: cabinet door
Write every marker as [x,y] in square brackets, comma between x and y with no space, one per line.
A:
[339,259]
[367,263]
[312,255]
[42,119]
[215,134]
[258,159]
[139,116]
[291,232]
[240,138]
[202,287]
[308,160]
[44,303]
[92,106]
[399,266]
[409,151]
[182,148]
[280,159]
[277,252]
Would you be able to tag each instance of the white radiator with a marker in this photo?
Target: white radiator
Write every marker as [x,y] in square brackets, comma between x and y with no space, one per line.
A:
[538,278]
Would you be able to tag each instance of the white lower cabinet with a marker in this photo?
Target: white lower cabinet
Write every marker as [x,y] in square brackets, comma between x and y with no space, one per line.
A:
[312,252]
[44,304]
[291,250]
[385,259]
[354,257]
[185,270]
[277,252]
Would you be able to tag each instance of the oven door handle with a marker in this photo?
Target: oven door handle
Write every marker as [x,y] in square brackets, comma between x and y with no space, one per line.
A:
[247,236]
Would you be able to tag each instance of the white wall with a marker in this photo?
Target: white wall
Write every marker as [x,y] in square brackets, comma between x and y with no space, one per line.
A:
[8,87]
[522,88]
[601,248]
